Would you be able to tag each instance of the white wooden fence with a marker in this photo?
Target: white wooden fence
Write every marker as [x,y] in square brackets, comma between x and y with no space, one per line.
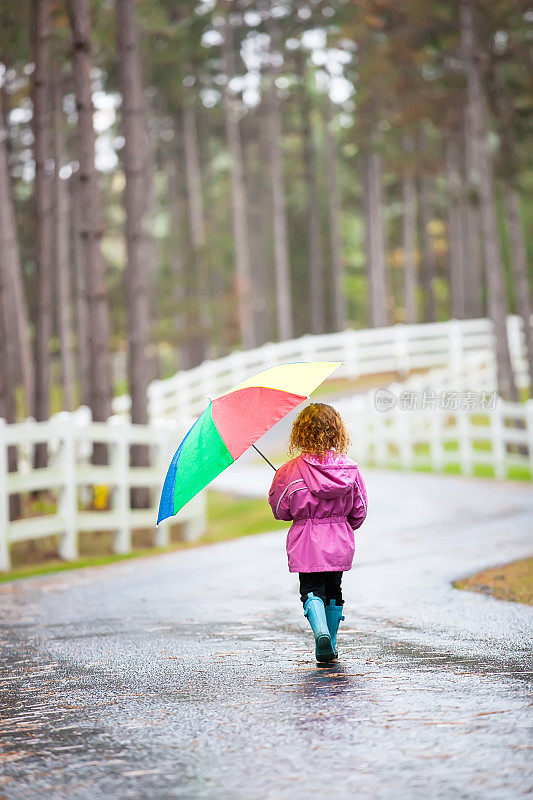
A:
[406,438]
[398,348]
[446,420]
[70,438]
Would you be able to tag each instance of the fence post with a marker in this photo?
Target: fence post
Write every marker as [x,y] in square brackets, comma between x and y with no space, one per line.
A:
[456,351]
[194,527]
[68,499]
[153,394]
[529,434]
[378,435]
[121,500]
[162,535]
[517,349]
[307,343]
[436,448]
[270,354]
[206,377]
[465,444]
[235,370]
[162,456]
[5,560]
[400,432]
[401,350]
[351,353]
[498,442]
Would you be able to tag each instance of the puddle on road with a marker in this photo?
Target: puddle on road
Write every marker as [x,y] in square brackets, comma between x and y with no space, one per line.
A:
[238,696]
[54,727]
[330,681]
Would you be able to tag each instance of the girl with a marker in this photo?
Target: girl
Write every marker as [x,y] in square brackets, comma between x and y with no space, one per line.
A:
[323,494]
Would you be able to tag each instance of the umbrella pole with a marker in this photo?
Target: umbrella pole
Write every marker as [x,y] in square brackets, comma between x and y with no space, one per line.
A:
[266,459]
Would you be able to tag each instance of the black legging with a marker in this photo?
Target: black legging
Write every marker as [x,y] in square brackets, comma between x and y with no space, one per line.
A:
[326,585]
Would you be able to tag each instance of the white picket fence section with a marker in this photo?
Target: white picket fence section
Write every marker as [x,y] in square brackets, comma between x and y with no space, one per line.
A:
[460,424]
[70,476]
[398,348]
[462,349]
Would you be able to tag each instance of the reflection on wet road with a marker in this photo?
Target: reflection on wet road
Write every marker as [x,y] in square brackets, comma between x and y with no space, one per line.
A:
[191,675]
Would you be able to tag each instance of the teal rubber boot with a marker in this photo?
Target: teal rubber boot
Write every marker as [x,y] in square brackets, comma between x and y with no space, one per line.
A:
[315,612]
[333,617]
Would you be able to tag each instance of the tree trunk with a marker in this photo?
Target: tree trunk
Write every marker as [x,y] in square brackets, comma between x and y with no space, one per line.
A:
[238,193]
[4,118]
[44,215]
[11,276]
[150,245]
[266,270]
[520,272]
[134,128]
[409,234]
[428,256]
[197,232]
[7,370]
[61,252]
[90,220]
[335,216]
[7,389]
[173,158]
[256,150]
[194,176]
[519,265]
[8,410]
[135,153]
[375,240]
[82,308]
[314,223]
[10,367]
[497,300]
[12,359]
[190,257]
[283,289]
[456,232]
[215,288]
[472,231]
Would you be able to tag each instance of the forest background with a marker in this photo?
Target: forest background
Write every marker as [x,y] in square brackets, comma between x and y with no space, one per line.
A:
[180,179]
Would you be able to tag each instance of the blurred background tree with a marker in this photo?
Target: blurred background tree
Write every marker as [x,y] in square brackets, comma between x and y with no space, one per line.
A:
[179,179]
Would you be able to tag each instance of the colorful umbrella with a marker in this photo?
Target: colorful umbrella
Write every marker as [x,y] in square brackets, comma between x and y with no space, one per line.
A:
[232,423]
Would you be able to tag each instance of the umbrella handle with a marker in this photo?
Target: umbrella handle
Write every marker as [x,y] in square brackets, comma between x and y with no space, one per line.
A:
[266,459]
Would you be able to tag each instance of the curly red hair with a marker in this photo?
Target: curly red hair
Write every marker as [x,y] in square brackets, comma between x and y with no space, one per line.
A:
[317,429]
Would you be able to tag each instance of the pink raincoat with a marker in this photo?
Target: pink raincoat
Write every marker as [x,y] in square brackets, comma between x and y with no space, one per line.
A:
[327,502]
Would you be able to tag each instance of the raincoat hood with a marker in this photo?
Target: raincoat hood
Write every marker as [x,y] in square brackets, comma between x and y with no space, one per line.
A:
[332,477]
[326,502]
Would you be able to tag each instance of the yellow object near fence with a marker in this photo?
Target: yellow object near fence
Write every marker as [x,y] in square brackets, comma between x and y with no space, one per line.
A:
[101,497]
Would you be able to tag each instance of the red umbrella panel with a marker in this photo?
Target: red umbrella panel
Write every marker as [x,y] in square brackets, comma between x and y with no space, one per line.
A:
[234,422]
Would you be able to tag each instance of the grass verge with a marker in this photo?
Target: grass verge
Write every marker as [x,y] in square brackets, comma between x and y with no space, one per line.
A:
[512,582]
[513,472]
[227,518]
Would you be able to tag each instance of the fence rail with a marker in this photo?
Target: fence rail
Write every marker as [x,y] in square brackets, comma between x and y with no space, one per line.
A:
[69,477]
[475,433]
[398,348]
[456,352]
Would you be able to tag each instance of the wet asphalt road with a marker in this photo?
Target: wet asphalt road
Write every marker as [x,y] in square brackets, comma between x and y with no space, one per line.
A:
[191,675]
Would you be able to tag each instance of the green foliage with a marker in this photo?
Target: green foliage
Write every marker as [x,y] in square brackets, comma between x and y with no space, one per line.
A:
[396,68]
